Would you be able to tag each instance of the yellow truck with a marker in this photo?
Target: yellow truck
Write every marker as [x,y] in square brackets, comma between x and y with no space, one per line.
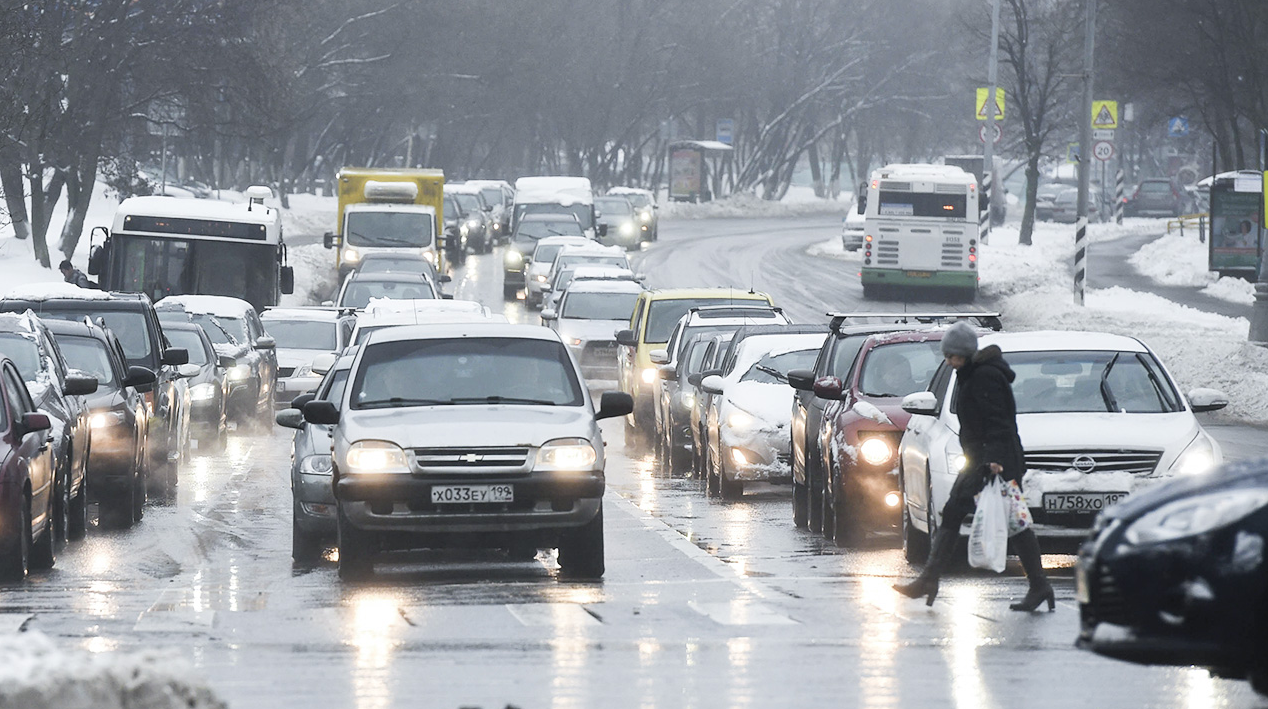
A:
[388,209]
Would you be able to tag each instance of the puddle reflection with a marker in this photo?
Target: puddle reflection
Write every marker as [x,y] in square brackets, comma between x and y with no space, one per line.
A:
[375,629]
[968,687]
[878,644]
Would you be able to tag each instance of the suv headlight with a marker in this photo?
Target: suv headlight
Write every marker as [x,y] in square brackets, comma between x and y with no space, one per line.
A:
[239,372]
[376,457]
[1198,457]
[566,454]
[513,258]
[202,392]
[627,228]
[876,450]
[106,419]
[351,255]
[1196,515]
[739,418]
[319,464]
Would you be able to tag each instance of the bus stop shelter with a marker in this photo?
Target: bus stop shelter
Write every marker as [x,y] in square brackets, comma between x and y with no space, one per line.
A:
[696,169]
[1237,234]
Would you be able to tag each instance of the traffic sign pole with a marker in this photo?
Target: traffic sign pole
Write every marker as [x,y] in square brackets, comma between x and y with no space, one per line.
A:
[1118,196]
[1085,140]
[988,144]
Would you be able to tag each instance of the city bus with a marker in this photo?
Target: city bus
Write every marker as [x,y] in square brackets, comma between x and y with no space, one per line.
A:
[165,246]
[920,233]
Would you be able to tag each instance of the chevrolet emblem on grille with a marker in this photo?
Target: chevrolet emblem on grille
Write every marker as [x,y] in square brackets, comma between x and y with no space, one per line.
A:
[1084,463]
[472,458]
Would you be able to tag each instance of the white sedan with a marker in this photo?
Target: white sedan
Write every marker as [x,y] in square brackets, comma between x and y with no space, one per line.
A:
[1099,418]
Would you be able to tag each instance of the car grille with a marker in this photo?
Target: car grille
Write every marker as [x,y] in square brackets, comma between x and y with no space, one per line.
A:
[1107,602]
[1101,461]
[283,372]
[599,353]
[470,460]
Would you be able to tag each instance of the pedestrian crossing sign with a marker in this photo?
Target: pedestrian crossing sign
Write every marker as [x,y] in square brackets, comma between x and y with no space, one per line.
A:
[1105,114]
[981,104]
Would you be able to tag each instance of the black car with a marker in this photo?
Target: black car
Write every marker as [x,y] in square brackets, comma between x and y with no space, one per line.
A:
[116,454]
[131,317]
[59,392]
[1176,575]
[208,389]
[1156,197]
[359,288]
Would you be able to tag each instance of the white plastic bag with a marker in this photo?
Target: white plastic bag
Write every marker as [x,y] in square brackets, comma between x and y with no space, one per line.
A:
[988,540]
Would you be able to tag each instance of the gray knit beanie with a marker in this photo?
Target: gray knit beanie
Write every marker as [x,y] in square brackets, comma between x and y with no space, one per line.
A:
[959,339]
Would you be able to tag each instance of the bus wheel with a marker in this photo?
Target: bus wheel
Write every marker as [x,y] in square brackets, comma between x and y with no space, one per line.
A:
[871,291]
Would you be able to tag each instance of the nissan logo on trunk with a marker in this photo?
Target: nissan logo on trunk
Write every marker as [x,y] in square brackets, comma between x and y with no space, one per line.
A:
[1085,463]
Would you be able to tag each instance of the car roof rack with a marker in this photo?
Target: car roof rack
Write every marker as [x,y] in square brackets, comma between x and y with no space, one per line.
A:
[983,319]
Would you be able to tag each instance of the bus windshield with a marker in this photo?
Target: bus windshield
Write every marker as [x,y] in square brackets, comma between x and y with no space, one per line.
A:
[921,204]
[162,267]
[390,229]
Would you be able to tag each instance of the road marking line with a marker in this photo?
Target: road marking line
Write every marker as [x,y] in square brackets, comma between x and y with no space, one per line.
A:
[174,621]
[740,613]
[534,615]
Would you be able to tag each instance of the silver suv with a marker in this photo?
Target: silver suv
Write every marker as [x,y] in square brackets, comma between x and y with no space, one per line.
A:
[468,435]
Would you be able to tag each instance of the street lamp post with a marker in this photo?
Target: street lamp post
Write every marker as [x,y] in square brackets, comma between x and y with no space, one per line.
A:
[988,149]
[1259,312]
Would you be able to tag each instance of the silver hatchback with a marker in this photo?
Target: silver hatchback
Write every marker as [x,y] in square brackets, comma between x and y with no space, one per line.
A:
[468,435]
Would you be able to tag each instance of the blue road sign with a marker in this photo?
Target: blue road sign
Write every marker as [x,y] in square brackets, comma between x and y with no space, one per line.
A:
[725,131]
[1178,127]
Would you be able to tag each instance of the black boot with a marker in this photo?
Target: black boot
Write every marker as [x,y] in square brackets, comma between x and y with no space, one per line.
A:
[940,551]
[1027,546]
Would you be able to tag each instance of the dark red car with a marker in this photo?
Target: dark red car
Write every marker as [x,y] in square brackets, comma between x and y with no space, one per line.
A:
[26,480]
[861,427]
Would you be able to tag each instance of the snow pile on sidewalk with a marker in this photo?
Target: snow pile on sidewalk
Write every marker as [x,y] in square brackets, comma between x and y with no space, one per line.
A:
[315,276]
[1032,287]
[833,248]
[746,205]
[1176,260]
[35,674]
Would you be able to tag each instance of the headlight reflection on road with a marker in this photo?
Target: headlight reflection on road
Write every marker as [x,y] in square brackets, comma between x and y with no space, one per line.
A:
[1198,689]
[739,652]
[376,623]
[878,643]
[968,690]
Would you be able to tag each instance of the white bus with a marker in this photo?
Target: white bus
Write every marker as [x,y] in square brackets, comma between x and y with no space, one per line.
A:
[165,246]
[920,232]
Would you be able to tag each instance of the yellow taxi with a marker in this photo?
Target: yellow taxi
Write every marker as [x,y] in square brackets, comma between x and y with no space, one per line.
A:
[655,314]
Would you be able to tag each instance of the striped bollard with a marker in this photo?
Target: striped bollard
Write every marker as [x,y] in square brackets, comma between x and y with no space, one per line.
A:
[1118,197]
[1080,260]
[984,215]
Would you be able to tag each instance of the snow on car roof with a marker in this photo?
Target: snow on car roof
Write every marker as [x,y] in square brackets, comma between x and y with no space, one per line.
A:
[384,306]
[220,306]
[756,347]
[55,289]
[488,183]
[305,314]
[446,331]
[460,188]
[18,322]
[901,171]
[159,206]
[593,248]
[629,190]
[1062,340]
[555,189]
[604,285]
[561,240]
[582,270]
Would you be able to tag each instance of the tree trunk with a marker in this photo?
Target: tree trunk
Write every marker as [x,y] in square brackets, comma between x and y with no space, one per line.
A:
[14,192]
[1032,190]
[78,198]
[43,199]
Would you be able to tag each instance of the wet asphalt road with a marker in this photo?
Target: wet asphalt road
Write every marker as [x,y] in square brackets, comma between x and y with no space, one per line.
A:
[705,603]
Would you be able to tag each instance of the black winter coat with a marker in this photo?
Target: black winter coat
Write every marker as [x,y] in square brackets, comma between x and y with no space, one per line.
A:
[987,412]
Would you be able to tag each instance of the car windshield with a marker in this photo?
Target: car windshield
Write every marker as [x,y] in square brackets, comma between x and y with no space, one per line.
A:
[583,212]
[359,292]
[546,253]
[1155,188]
[333,390]
[638,200]
[189,340]
[393,263]
[1123,382]
[599,306]
[773,367]
[465,371]
[389,229]
[219,331]
[614,207]
[900,368]
[24,353]
[127,325]
[90,356]
[468,203]
[664,314]
[534,230]
[492,195]
[302,334]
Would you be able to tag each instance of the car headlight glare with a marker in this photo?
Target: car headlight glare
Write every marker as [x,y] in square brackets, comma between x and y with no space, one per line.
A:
[686,399]
[541,279]
[303,370]
[649,375]
[239,372]
[430,256]
[627,228]
[319,464]
[513,258]
[645,215]
[376,457]
[202,392]
[740,419]
[566,454]
[464,230]
[351,255]
[473,223]
[1196,515]
[106,419]
[1198,457]
[876,451]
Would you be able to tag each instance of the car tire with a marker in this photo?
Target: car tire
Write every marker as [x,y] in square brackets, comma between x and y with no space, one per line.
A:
[140,494]
[356,550]
[306,547]
[509,291]
[814,492]
[79,513]
[710,475]
[801,505]
[729,490]
[581,549]
[847,515]
[15,562]
[116,510]
[61,510]
[44,548]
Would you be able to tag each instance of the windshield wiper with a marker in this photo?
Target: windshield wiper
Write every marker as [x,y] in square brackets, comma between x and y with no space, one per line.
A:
[501,400]
[772,371]
[1153,379]
[396,401]
[1110,403]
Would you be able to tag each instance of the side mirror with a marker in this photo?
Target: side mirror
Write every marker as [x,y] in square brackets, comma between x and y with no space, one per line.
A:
[1207,400]
[603,230]
[446,296]
[226,362]
[659,356]
[613,404]
[264,342]
[298,402]
[922,403]
[96,257]
[323,363]
[290,418]
[695,379]
[713,384]
[546,288]
[139,377]
[549,314]
[668,372]
[801,379]
[175,356]
[827,388]
[81,385]
[328,240]
[328,303]
[287,280]
[626,338]
[444,278]
[32,422]
[188,370]
[321,412]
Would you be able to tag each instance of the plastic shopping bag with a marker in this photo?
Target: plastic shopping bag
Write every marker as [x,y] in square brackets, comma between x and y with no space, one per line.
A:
[1019,518]
[988,540]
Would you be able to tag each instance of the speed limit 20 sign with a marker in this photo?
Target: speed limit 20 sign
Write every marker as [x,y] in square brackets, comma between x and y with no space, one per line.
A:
[1103,150]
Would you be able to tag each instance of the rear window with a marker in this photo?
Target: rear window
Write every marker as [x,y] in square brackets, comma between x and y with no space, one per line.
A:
[129,326]
[899,369]
[921,204]
[598,306]
[302,334]
[89,355]
[360,292]
[1155,188]
[664,314]
[190,341]
[24,353]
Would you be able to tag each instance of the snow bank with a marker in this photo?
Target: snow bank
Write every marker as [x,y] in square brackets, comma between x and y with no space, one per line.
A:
[751,206]
[315,276]
[35,674]
[833,248]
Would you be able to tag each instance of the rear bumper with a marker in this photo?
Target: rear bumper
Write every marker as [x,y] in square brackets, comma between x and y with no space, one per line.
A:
[935,279]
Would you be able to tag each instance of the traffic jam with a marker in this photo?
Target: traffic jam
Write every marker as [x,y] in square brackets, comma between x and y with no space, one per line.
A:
[421,413]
